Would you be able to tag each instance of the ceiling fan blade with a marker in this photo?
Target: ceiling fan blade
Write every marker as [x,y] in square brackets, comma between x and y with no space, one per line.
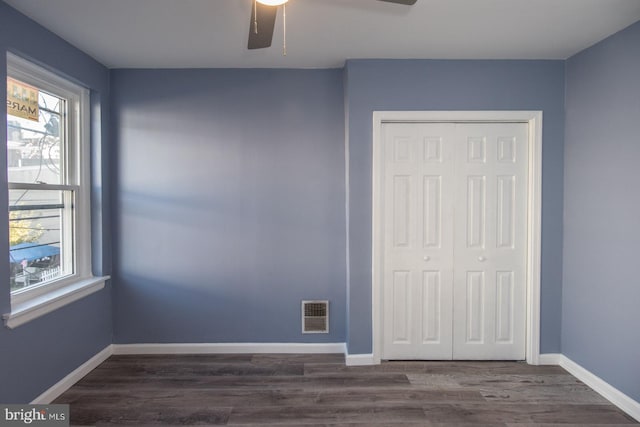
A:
[266,19]
[406,2]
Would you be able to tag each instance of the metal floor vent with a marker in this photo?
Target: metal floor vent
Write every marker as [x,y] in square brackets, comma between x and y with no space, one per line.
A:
[315,317]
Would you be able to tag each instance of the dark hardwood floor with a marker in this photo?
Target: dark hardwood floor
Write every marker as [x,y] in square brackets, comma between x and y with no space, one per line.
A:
[319,390]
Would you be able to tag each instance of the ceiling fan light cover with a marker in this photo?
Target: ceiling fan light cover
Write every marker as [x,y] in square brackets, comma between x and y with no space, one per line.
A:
[272,2]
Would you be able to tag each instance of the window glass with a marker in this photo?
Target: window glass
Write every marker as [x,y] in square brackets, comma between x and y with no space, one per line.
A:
[34,147]
[41,200]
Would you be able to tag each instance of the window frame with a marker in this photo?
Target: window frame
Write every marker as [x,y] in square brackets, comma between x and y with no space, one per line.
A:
[42,298]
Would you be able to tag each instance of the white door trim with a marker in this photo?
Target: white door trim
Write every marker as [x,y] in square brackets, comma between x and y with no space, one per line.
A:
[534,120]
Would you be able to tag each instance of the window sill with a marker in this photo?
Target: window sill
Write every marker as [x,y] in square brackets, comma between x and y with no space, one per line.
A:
[32,309]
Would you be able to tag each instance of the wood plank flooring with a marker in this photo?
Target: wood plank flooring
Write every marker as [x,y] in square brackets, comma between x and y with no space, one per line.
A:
[319,390]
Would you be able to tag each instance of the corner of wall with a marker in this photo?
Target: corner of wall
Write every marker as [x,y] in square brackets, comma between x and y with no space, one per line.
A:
[345,86]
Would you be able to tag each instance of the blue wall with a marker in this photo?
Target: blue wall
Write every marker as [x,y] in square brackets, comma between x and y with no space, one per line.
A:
[452,85]
[602,209]
[230,204]
[36,355]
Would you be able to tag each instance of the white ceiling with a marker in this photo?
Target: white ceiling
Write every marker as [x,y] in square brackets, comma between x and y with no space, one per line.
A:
[323,33]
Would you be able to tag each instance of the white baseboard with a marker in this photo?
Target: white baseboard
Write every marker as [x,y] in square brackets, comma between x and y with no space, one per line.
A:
[359,359]
[64,384]
[228,348]
[549,359]
[606,390]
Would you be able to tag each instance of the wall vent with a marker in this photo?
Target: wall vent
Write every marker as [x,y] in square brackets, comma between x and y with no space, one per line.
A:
[315,317]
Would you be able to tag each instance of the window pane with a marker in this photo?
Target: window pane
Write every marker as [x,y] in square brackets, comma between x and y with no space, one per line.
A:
[41,236]
[34,149]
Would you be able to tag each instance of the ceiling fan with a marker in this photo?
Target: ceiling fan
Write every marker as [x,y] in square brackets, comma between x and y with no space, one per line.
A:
[263,18]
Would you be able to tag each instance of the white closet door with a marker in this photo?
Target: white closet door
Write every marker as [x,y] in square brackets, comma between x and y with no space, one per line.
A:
[418,222]
[455,231]
[490,241]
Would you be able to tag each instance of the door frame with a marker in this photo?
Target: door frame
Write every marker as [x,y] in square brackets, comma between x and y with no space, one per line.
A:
[534,209]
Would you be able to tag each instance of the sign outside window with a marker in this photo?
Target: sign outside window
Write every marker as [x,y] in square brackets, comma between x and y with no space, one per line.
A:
[22,100]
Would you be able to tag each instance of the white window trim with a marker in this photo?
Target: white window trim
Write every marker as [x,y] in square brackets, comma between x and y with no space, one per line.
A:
[31,303]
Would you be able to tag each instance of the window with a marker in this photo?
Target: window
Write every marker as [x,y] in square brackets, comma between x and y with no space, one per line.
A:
[48,180]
